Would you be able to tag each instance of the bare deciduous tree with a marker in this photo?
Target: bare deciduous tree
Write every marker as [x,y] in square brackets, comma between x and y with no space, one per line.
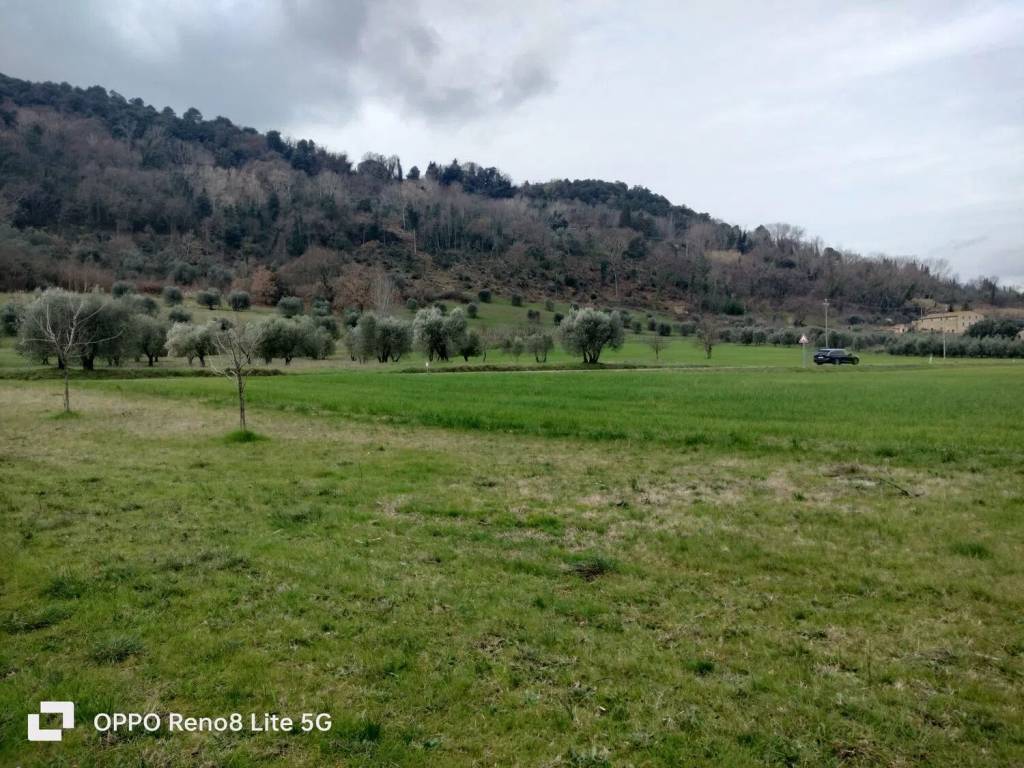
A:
[383,294]
[707,333]
[239,346]
[657,344]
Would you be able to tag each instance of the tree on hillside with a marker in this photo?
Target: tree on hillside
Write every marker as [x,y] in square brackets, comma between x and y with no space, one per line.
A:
[63,324]
[266,286]
[588,331]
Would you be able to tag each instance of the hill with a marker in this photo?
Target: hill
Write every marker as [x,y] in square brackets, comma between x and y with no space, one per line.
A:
[95,187]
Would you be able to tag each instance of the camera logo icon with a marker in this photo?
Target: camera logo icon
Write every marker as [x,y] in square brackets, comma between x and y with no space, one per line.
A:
[66,710]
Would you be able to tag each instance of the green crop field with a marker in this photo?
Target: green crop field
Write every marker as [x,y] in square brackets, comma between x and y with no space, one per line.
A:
[745,565]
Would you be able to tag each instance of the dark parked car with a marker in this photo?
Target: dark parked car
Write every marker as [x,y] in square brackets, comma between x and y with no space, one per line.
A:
[835,357]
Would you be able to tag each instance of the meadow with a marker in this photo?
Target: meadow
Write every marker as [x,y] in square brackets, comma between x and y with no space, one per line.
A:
[749,564]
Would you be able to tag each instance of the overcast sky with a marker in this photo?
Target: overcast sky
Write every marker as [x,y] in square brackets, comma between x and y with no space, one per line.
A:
[892,127]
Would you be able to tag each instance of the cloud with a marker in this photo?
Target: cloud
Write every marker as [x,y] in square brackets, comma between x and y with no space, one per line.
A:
[882,125]
[273,63]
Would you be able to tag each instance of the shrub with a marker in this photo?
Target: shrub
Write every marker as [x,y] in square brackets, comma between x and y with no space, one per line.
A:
[121,288]
[517,300]
[533,315]
[290,306]
[484,294]
[172,295]
[664,329]
[587,332]
[179,315]
[472,310]
[549,305]
[411,304]
[209,298]
[558,318]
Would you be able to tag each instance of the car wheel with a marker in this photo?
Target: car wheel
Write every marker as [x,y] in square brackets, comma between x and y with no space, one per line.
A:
[856,361]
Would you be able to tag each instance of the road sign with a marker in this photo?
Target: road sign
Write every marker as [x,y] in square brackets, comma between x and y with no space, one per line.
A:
[803,339]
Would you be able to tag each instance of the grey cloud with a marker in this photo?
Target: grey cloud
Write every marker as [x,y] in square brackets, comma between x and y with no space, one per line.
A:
[272,64]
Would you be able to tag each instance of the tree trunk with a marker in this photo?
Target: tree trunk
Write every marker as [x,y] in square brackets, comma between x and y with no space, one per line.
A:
[67,392]
[241,401]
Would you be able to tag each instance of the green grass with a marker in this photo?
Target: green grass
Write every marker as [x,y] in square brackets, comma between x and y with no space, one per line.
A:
[661,568]
[915,415]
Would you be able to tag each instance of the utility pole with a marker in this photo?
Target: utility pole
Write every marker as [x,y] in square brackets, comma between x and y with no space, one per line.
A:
[943,342]
[826,323]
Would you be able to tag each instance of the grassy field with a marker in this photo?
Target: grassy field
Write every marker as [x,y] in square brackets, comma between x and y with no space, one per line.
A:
[749,566]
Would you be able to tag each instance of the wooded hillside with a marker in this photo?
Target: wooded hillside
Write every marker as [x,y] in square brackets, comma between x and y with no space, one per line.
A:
[95,187]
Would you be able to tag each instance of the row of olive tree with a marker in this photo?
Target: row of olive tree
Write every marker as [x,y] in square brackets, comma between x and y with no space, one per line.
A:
[278,338]
[78,328]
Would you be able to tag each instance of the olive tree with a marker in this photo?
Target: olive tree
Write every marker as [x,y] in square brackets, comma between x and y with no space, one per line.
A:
[192,341]
[289,339]
[172,295]
[209,298]
[63,324]
[385,338]
[437,335]
[471,345]
[238,347]
[290,306]
[588,331]
[149,337]
[239,301]
[539,344]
